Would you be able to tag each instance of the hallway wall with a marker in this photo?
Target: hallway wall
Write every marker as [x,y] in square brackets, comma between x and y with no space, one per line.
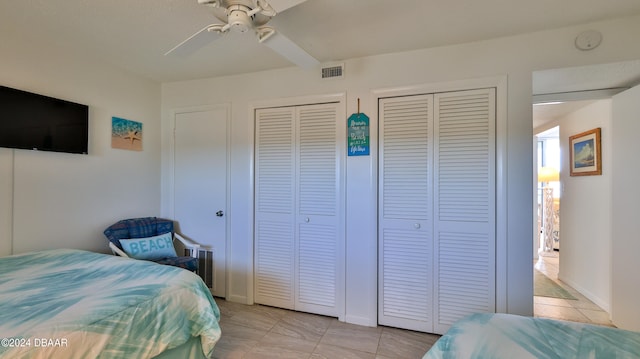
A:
[585,210]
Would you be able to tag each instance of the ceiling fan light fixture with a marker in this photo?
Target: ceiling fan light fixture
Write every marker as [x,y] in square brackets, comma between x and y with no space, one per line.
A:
[239,20]
[242,16]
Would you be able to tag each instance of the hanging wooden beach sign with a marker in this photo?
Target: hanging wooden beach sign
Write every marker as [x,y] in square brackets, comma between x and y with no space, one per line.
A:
[358,134]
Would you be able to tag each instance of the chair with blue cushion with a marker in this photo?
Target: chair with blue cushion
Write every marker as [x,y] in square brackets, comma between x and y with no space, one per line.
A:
[151,238]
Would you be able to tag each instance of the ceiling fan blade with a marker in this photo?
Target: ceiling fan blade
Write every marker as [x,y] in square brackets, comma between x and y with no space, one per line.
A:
[282,5]
[196,41]
[288,49]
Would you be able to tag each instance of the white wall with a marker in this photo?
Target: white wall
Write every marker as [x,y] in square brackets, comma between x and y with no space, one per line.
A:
[585,223]
[6,200]
[516,57]
[52,200]
[624,218]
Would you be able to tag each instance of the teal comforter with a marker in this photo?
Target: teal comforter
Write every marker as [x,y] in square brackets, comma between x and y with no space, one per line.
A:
[510,336]
[76,304]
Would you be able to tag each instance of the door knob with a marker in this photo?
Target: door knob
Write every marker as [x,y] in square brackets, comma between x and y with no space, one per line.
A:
[219,213]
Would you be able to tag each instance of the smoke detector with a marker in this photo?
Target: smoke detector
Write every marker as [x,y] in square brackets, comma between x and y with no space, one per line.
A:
[588,40]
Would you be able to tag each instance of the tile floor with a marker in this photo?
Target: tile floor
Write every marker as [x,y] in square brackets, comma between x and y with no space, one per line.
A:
[265,332]
[581,310]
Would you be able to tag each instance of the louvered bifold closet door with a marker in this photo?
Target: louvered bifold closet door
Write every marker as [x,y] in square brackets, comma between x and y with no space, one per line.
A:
[274,207]
[464,222]
[405,296]
[320,242]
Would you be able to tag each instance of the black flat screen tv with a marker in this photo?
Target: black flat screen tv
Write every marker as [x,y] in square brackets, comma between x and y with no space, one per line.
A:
[36,122]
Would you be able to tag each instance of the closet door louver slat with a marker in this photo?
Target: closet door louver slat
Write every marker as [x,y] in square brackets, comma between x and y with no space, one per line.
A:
[406,249]
[464,204]
[318,208]
[274,197]
[436,208]
[299,233]
[317,160]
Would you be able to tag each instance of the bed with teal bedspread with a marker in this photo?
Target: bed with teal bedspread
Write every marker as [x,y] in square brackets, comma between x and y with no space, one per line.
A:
[76,304]
[510,336]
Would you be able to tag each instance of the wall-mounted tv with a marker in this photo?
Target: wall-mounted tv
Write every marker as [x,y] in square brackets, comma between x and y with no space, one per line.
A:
[36,122]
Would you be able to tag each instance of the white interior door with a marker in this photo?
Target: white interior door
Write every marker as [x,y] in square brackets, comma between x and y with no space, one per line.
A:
[436,216]
[274,207]
[405,264]
[200,182]
[464,208]
[319,234]
[299,231]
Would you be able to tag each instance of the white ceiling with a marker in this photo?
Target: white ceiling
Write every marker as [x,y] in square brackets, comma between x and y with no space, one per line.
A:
[586,78]
[546,113]
[577,87]
[134,34]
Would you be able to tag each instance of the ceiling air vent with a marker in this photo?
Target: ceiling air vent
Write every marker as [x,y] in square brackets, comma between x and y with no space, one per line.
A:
[333,71]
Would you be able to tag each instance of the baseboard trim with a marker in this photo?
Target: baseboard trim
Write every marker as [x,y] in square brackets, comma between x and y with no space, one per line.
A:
[242,299]
[364,321]
[595,299]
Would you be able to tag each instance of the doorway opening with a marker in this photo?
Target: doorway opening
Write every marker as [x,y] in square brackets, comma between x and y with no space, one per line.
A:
[554,297]
[548,191]
[582,97]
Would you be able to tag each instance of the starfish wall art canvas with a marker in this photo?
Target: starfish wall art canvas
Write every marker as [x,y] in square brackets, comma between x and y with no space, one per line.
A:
[126,134]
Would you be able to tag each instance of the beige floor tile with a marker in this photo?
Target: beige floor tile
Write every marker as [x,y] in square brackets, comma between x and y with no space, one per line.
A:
[581,310]
[234,330]
[232,348]
[272,311]
[228,309]
[397,343]
[352,336]
[579,296]
[254,319]
[561,313]
[260,352]
[553,301]
[585,304]
[324,351]
[303,325]
[279,342]
[265,332]
[596,316]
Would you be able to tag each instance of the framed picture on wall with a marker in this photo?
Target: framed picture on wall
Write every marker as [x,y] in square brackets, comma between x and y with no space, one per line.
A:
[585,153]
[126,134]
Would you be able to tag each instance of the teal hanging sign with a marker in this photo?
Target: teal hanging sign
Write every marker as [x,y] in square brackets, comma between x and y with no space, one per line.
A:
[358,135]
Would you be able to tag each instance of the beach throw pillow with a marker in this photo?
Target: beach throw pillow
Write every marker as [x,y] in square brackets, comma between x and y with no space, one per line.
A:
[156,247]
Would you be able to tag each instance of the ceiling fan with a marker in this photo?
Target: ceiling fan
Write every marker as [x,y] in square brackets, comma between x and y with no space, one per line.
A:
[242,16]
